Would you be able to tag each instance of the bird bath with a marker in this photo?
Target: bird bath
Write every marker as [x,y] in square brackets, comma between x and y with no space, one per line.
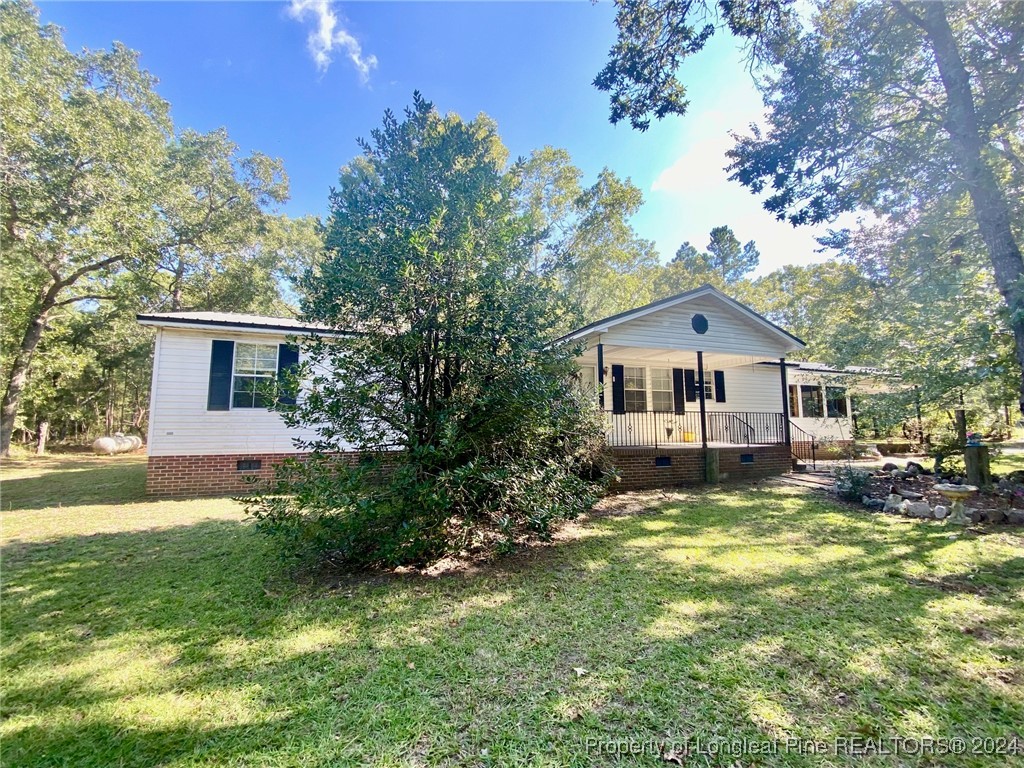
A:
[956,494]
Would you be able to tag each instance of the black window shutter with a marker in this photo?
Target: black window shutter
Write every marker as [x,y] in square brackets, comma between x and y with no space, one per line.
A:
[691,385]
[287,361]
[678,390]
[221,359]
[719,386]
[618,390]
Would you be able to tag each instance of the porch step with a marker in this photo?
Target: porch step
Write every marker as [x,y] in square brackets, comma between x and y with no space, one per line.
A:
[816,480]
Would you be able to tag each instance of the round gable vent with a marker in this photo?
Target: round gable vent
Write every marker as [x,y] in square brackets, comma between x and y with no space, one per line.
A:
[699,323]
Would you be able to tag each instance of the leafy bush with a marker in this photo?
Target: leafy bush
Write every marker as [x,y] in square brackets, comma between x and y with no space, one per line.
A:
[453,387]
[851,482]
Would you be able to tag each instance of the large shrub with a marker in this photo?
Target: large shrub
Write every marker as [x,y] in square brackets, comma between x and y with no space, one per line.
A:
[443,372]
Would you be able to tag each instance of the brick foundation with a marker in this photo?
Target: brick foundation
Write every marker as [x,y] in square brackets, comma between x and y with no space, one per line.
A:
[638,469]
[219,475]
[207,475]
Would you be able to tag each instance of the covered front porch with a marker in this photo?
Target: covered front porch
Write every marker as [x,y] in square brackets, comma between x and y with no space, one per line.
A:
[684,390]
[671,399]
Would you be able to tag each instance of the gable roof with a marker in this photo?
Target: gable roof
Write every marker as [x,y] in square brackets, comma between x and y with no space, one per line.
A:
[681,298]
[234,320]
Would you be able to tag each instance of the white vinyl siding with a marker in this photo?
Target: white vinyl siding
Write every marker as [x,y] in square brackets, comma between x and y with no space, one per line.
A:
[180,424]
[730,331]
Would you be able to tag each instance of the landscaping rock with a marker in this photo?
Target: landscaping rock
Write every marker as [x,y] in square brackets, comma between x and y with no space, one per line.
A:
[893,503]
[917,509]
[916,469]
[994,515]
[910,495]
[899,474]
[1015,517]
[977,515]
[941,512]
[889,467]
[870,503]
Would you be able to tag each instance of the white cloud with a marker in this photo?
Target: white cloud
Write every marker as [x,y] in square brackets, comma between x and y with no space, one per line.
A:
[703,165]
[328,35]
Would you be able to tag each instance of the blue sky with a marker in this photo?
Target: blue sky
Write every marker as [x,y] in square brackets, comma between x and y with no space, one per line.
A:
[249,67]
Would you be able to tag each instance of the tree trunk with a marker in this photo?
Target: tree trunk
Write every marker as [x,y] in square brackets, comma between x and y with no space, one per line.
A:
[19,368]
[176,292]
[991,210]
[44,432]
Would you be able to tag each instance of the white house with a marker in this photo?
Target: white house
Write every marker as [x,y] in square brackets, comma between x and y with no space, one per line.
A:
[694,381]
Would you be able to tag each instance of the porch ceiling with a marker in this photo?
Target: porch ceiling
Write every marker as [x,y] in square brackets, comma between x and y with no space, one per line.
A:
[670,358]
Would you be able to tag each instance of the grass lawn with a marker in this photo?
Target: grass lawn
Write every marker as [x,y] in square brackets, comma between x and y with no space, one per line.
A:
[141,633]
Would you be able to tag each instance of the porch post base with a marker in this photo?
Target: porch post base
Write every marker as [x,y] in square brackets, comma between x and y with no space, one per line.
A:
[711,464]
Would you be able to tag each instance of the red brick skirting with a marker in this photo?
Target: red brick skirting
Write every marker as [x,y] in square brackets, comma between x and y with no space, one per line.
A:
[207,475]
[639,468]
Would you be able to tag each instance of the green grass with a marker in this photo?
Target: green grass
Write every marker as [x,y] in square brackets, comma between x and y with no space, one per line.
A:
[1007,462]
[140,633]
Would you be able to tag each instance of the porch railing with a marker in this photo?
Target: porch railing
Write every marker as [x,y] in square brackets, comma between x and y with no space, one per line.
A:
[658,429]
[805,445]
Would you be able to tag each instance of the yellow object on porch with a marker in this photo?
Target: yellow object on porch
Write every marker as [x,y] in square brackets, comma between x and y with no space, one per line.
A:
[689,437]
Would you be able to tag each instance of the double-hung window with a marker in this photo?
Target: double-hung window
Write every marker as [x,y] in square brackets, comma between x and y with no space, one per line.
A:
[254,369]
[661,390]
[709,387]
[634,389]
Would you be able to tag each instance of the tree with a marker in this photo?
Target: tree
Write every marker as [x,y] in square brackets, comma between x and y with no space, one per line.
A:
[442,374]
[880,105]
[81,141]
[724,265]
[213,212]
[105,212]
[728,258]
[832,306]
[588,243]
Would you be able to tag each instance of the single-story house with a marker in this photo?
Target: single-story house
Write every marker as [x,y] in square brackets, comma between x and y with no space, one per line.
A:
[693,386]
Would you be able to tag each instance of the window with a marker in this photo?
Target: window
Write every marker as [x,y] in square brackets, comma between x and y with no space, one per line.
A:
[635,389]
[255,367]
[794,400]
[810,398]
[835,402]
[709,387]
[661,389]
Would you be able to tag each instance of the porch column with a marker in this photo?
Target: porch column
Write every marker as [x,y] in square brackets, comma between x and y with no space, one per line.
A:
[600,375]
[700,394]
[785,403]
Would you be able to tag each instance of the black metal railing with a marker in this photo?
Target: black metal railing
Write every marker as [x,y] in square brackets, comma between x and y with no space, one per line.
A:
[803,445]
[659,429]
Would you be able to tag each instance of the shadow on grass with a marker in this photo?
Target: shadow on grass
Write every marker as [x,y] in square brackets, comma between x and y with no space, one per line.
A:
[747,614]
[74,481]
